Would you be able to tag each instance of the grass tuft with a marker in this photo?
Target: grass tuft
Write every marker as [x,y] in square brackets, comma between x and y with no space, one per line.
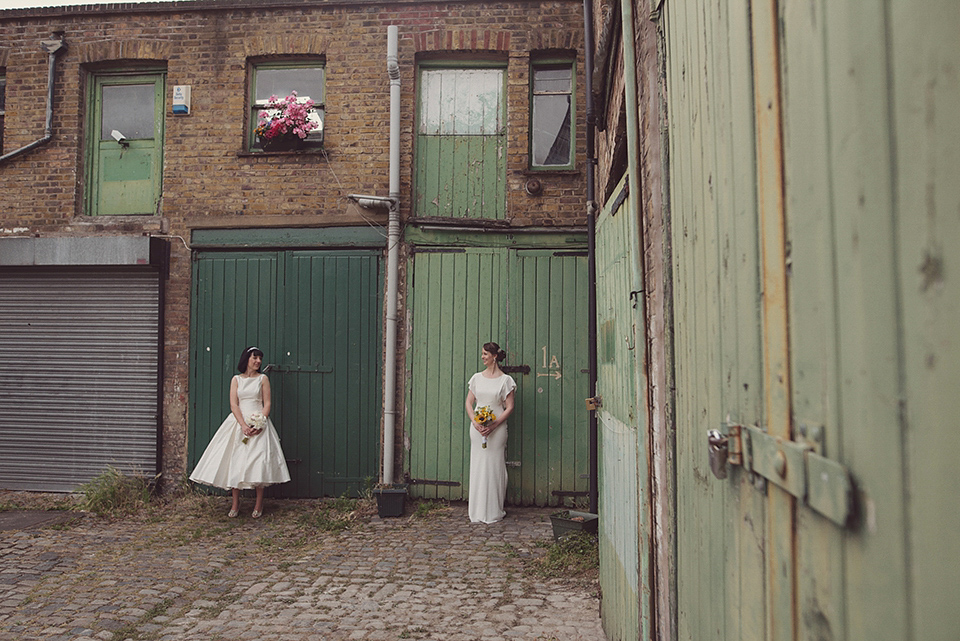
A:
[114,494]
[426,508]
[575,556]
[332,515]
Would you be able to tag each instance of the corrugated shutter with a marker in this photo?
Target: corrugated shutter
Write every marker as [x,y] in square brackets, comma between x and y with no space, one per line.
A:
[80,375]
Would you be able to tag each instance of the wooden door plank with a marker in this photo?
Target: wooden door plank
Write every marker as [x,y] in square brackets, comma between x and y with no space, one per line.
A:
[781,569]
[926,101]
[812,308]
[869,381]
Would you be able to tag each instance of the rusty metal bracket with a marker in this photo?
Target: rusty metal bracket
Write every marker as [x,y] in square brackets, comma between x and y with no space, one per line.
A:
[823,485]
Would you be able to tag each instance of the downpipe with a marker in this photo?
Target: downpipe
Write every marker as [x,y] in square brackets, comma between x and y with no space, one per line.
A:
[591,257]
[52,47]
[393,261]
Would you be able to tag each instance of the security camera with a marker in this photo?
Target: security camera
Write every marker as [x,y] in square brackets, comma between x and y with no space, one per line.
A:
[119,137]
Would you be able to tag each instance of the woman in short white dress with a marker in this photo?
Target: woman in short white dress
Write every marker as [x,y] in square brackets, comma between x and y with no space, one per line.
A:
[239,455]
[488,443]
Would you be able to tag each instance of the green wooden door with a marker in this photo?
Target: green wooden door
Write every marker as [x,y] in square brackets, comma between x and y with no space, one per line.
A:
[317,317]
[530,302]
[456,305]
[620,425]
[329,370]
[545,320]
[461,143]
[814,223]
[126,144]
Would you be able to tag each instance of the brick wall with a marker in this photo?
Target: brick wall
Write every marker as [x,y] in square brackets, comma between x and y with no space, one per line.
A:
[207,180]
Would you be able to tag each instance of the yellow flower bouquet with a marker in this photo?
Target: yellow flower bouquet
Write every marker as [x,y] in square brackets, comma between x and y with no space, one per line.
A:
[484,416]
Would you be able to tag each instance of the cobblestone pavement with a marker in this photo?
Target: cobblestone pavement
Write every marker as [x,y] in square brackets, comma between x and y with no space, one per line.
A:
[202,576]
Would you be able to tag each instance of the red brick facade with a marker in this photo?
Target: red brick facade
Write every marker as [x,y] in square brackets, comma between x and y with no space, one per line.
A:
[208,180]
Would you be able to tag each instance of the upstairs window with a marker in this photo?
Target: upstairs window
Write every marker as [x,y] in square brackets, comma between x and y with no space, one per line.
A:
[461,143]
[282,79]
[551,115]
[124,142]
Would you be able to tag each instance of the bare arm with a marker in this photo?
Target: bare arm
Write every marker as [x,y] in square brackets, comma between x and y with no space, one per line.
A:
[508,404]
[265,396]
[469,405]
[235,405]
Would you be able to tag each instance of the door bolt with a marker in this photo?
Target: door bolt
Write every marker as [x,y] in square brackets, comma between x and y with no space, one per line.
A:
[780,464]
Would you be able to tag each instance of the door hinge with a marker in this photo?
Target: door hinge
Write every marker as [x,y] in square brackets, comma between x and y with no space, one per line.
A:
[823,485]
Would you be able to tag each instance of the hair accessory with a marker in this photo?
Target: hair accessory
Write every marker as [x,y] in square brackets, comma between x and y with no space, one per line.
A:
[253,349]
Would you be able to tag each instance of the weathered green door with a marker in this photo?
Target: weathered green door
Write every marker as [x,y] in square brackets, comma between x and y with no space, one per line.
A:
[461,159]
[456,304]
[317,317]
[532,302]
[621,425]
[546,312]
[126,144]
[328,370]
[814,225]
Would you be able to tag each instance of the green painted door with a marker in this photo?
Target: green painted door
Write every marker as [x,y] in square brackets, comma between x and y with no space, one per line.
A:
[546,312]
[317,317]
[456,305]
[531,302]
[813,206]
[328,370]
[126,145]
[620,426]
[461,143]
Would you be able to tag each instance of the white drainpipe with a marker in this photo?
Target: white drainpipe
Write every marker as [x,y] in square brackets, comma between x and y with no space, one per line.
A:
[393,260]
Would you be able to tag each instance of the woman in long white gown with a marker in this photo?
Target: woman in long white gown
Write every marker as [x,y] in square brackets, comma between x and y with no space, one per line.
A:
[488,442]
[240,455]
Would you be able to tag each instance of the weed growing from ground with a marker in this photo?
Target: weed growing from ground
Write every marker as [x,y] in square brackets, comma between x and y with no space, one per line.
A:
[114,494]
[332,515]
[575,556]
[427,508]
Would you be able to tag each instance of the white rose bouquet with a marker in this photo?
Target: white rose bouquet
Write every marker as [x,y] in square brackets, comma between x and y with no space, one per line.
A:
[257,421]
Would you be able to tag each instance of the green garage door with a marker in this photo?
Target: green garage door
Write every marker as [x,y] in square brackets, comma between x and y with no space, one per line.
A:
[532,302]
[317,317]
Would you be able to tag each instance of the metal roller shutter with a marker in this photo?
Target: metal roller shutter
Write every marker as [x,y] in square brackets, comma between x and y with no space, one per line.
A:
[79,370]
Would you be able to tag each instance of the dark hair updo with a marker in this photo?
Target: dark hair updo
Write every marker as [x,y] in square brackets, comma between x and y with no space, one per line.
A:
[245,358]
[493,348]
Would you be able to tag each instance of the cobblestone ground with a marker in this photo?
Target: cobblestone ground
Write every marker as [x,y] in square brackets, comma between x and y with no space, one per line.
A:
[195,574]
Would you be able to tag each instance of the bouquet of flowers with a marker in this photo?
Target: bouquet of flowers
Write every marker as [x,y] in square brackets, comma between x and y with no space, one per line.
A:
[285,115]
[257,421]
[484,416]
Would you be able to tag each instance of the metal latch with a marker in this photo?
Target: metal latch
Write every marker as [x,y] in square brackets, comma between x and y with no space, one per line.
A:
[724,448]
[718,446]
[594,402]
[823,485]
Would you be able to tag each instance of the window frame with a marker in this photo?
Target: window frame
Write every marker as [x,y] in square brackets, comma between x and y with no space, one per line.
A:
[251,144]
[545,63]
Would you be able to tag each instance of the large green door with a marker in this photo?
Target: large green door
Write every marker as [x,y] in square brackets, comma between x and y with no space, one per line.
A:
[456,305]
[815,237]
[546,315]
[317,317]
[621,426]
[532,302]
[329,370]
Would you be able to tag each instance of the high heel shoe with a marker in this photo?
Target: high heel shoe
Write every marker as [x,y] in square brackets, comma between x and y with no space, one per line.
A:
[257,514]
